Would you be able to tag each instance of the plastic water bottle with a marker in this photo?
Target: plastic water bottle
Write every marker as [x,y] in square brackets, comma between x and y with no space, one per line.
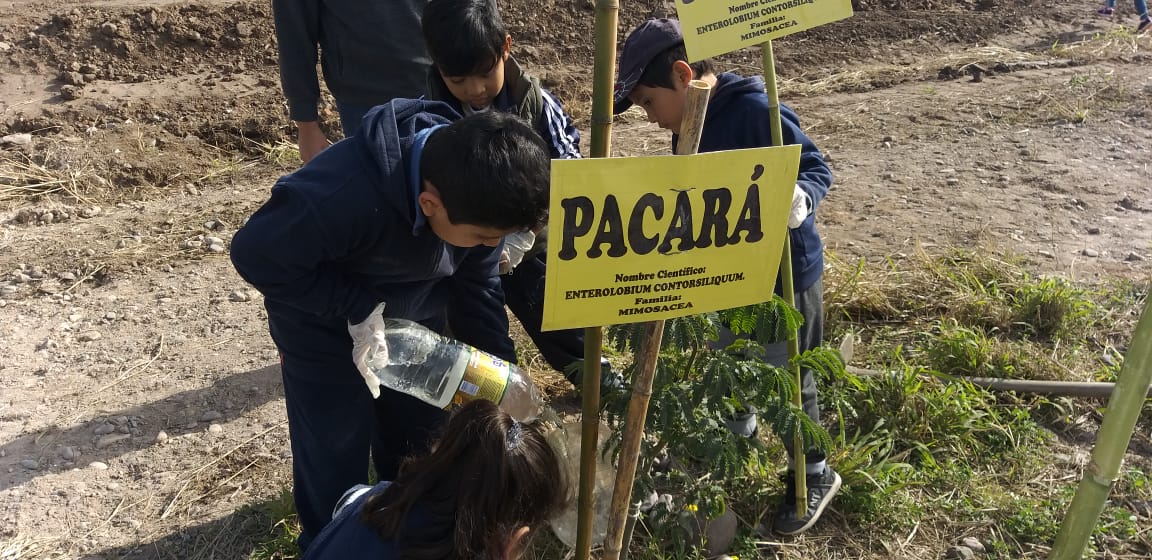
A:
[565,441]
[441,371]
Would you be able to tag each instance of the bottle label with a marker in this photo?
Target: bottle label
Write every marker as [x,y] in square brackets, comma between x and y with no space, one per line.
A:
[485,377]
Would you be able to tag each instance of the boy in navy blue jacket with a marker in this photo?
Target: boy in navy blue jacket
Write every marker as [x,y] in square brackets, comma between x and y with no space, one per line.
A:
[654,74]
[407,216]
[473,71]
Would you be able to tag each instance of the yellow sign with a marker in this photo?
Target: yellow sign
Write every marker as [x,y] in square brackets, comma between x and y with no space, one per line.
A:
[641,239]
[712,27]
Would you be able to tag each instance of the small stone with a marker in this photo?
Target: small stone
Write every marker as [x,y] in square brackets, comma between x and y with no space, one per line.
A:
[30,464]
[210,416]
[98,465]
[91,212]
[210,240]
[22,139]
[1093,230]
[70,93]
[972,543]
[953,181]
[69,453]
[5,46]
[239,296]
[73,78]
[22,278]
[244,29]
[75,317]
[89,336]
[215,248]
[1047,254]
[110,439]
[1090,253]
[108,28]
[162,437]
[104,429]
[215,429]
[1134,257]
[193,243]
[959,553]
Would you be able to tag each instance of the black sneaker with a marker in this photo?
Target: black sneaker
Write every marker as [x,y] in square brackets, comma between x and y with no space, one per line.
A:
[1145,25]
[821,488]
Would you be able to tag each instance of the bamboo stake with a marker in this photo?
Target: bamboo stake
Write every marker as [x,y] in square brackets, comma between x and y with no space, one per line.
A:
[786,283]
[688,143]
[1111,442]
[603,82]
[1086,389]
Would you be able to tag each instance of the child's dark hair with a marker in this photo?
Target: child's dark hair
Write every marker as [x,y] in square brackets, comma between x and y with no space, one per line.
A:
[491,169]
[486,477]
[464,37]
[658,72]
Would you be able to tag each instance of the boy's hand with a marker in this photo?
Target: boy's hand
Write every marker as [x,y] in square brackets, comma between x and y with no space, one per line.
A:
[801,208]
[310,139]
[515,245]
[369,348]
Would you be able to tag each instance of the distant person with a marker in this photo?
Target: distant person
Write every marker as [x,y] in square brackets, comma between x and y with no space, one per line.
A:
[370,52]
[473,71]
[654,73]
[1141,11]
[403,220]
[488,483]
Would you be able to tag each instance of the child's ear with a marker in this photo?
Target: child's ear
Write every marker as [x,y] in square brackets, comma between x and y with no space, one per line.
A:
[507,47]
[429,200]
[682,73]
[517,542]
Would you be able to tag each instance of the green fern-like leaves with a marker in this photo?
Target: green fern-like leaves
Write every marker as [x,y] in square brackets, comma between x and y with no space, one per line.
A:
[768,322]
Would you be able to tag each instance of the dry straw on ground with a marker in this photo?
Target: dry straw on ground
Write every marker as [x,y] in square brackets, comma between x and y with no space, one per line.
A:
[23,176]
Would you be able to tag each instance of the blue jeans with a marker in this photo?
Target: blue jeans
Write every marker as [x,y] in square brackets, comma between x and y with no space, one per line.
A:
[1140,5]
[810,304]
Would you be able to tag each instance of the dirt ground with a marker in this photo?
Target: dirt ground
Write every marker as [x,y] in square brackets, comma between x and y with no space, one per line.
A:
[141,414]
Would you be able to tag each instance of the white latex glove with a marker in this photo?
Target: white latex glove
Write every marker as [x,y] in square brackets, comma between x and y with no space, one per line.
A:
[369,348]
[801,208]
[515,245]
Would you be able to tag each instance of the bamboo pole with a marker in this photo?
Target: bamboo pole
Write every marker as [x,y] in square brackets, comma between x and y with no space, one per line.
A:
[603,82]
[1111,442]
[1088,389]
[786,283]
[688,143]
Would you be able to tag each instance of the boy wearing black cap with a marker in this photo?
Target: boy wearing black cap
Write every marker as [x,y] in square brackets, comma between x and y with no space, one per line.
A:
[654,74]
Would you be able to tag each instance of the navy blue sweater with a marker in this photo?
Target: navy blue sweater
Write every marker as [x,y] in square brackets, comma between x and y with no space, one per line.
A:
[737,118]
[345,232]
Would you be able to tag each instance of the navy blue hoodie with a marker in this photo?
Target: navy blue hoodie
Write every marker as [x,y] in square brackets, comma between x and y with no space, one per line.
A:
[345,232]
[737,118]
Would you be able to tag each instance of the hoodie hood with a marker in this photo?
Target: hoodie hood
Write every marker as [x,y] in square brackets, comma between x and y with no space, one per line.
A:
[729,86]
[389,131]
